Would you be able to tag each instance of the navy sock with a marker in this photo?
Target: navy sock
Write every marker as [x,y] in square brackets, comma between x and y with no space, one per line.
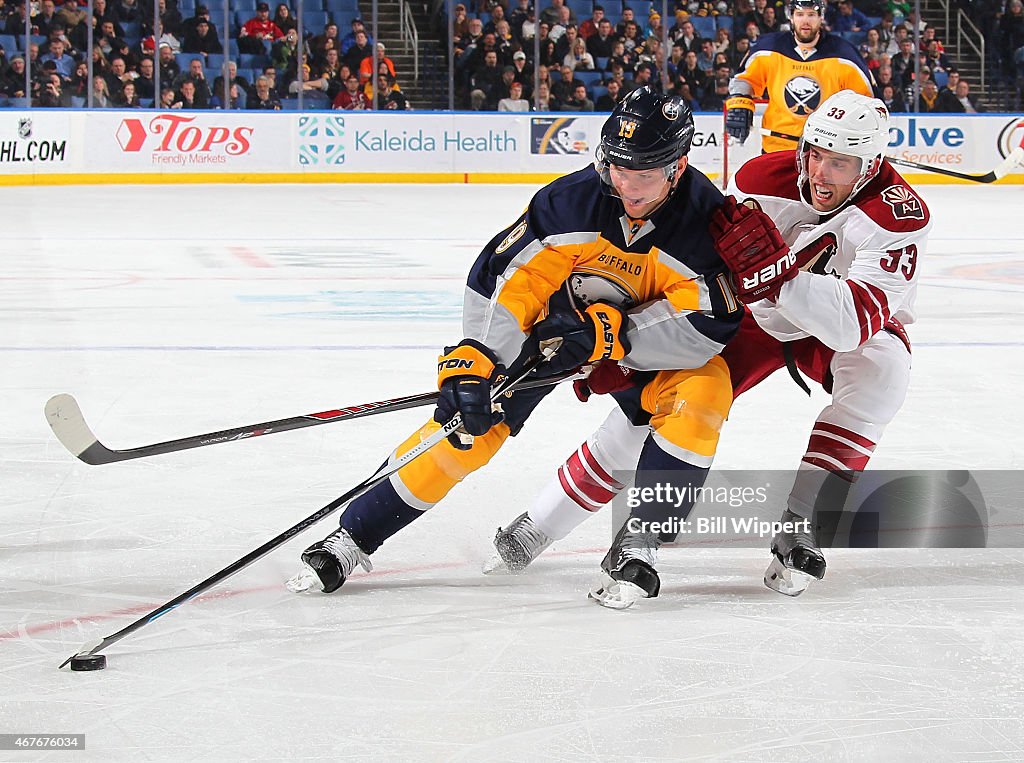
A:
[658,470]
[375,516]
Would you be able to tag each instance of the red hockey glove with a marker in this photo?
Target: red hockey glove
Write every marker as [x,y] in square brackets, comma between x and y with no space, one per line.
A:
[607,377]
[750,245]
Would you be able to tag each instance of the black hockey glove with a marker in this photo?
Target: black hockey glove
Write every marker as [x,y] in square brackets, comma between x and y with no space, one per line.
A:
[739,117]
[598,333]
[465,374]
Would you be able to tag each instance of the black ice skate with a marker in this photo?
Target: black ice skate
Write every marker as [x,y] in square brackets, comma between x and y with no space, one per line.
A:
[328,563]
[517,545]
[629,570]
[797,560]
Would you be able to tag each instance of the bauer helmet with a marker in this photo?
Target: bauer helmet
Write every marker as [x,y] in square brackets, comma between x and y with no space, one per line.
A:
[811,5]
[645,131]
[851,124]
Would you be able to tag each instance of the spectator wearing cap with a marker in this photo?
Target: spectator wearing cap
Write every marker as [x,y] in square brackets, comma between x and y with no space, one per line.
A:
[201,39]
[189,24]
[13,81]
[169,69]
[654,28]
[460,21]
[366,65]
[257,31]
[350,39]
[523,70]
[352,97]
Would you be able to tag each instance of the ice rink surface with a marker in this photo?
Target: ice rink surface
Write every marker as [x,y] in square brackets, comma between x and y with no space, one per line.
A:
[179,310]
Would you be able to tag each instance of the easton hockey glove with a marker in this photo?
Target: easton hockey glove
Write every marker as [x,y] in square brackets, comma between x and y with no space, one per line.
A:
[598,333]
[465,374]
[739,116]
[752,248]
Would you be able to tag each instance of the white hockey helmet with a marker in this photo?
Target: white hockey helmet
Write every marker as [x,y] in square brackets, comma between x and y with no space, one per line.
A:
[851,124]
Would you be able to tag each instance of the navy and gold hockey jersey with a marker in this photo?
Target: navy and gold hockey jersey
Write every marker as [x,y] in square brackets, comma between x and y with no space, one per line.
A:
[663,271]
[797,82]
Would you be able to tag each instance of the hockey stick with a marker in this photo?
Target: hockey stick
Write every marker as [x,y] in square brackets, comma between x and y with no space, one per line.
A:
[65,418]
[509,384]
[1012,159]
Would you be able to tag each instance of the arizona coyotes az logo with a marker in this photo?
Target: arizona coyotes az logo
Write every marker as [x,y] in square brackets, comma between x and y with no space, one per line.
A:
[905,205]
[816,256]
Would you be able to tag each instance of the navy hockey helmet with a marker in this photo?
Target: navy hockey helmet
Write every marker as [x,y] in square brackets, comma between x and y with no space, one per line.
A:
[811,5]
[646,130]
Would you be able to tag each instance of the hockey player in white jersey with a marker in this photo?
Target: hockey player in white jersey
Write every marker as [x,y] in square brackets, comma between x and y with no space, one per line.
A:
[858,232]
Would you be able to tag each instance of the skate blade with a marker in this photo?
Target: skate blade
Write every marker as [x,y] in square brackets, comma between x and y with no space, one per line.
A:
[304,580]
[788,582]
[495,566]
[616,594]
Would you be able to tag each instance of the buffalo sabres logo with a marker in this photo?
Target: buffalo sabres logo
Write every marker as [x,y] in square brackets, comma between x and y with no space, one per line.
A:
[803,95]
[671,111]
[24,127]
[585,289]
[905,205]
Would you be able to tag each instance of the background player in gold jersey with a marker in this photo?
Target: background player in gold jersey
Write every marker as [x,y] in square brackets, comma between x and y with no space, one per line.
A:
[797,71]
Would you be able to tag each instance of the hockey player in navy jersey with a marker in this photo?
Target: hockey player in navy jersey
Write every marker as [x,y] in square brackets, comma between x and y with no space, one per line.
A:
[617,262]
[858,233]
[797,71]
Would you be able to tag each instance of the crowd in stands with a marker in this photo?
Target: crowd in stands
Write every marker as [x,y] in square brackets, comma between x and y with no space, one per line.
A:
[591,54]
[261,70]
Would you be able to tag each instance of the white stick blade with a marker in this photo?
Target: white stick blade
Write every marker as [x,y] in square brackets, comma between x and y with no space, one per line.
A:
[66,420]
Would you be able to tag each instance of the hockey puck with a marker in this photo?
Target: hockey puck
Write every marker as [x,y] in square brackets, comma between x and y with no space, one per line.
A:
[89,662]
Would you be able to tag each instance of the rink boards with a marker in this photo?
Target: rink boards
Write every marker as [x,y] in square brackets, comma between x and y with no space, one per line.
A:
[51,147]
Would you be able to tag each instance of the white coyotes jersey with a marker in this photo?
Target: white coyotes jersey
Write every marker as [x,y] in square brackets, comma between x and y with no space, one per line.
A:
[859,266]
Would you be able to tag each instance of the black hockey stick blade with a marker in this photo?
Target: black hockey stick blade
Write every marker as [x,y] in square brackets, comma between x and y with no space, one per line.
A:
[68,424]
[506,385]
